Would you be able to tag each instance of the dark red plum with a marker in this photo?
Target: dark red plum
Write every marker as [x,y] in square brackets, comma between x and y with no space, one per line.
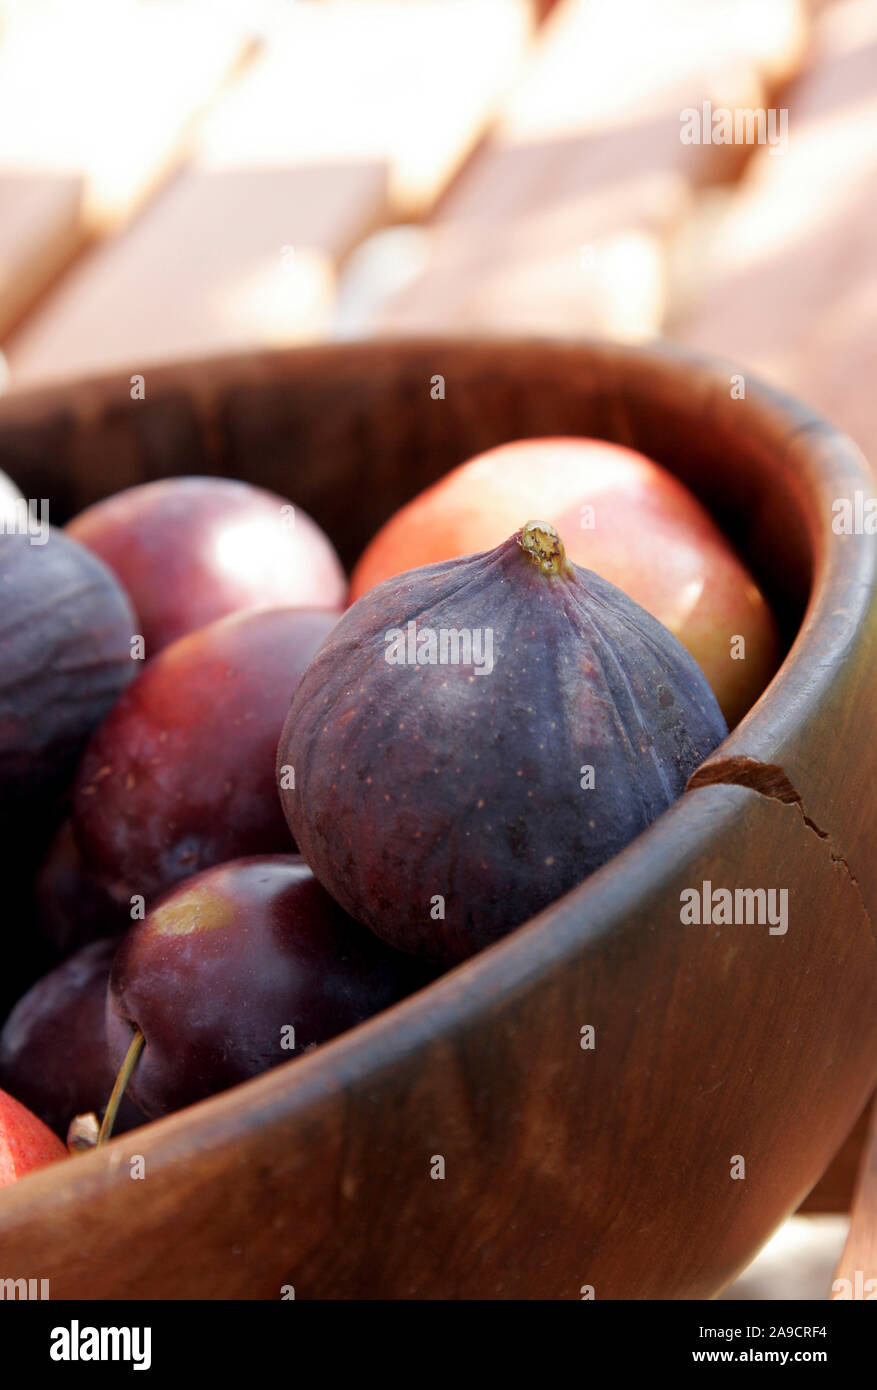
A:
[53,1047]
[191,550]
[221,970]
[180,775]
[73,908]
[478,736]
[65,656]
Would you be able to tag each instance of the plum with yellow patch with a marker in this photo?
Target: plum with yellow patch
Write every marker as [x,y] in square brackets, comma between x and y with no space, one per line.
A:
[245,966]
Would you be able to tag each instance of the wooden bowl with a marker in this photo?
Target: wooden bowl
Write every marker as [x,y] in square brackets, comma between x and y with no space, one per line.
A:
[564,1168]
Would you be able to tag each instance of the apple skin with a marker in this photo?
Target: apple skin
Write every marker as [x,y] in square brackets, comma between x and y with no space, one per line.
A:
[191,550]
[25,1142]
[650,537]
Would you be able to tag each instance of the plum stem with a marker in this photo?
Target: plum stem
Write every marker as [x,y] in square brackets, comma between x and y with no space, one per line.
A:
[135,1047]
[542,543]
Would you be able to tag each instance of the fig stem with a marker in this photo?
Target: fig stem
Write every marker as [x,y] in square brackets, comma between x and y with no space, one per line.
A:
[135,1047]
[542,543]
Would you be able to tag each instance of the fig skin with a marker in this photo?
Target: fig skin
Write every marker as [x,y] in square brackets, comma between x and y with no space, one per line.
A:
[65,656]
[180,775]
[413,781]
[53,1047]
[227,960]
[191,550]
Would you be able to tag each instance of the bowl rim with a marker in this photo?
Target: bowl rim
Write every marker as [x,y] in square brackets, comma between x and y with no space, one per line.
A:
[843,595]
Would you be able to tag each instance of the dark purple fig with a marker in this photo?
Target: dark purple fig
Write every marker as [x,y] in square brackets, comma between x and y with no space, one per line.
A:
[181,773]
[242,967]
[72,905]
[477,736]
[65,655]
[191,550]
[53,1048]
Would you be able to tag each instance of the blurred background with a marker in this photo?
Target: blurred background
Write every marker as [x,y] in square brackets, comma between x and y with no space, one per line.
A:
[186,177]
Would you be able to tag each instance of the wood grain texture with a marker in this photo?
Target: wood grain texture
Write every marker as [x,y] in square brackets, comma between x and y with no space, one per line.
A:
[565,1167]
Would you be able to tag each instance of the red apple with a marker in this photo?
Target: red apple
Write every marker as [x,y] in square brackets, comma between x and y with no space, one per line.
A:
[25,1142]
[621,516]
[190,550]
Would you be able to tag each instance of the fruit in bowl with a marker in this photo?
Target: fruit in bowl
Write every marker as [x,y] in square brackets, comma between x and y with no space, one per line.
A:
[471,739]
[441,798]
[339,1143]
